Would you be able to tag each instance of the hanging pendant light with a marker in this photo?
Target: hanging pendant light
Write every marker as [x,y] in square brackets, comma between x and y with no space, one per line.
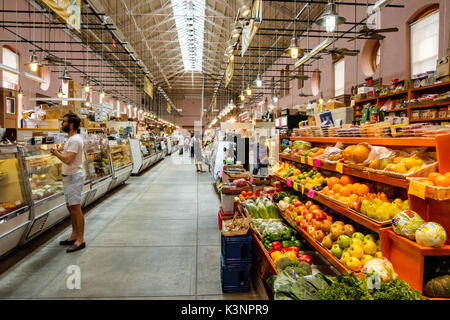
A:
[248,91]
[258,81]
[330,19]
[87,88]
[242,95]
[275,98]
[102,94]
[34,62]
[87,103]
[20,93]
[232,105]
[65,77]
[235,33]
[60,93]
[294,50]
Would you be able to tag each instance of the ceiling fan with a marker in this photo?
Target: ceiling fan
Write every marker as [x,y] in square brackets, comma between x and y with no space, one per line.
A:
[297,75]
[367,33]
[301,94]
[336,52]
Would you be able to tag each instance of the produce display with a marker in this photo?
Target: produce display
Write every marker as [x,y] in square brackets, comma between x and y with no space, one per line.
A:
[436,179]
[261,208]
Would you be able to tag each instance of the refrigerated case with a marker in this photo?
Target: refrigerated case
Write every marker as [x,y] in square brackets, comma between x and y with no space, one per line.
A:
[44,172]
[144,153]
[15,211]
[121,161]
[99,166]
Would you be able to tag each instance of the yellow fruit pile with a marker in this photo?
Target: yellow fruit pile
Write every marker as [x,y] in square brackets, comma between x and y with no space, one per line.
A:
[402,165]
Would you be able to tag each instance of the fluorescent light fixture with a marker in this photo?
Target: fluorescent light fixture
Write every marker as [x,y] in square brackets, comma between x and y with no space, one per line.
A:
[378,5]
[58,99]
[33,77]
[190,24]
[313,52]
[235,33]
[4,67]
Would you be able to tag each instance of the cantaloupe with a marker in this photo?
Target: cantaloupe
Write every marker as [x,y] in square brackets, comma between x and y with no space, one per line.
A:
[360,153]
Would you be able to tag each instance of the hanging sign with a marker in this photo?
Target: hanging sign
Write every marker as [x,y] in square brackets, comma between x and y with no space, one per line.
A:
[229,73]
[249,31]
[148,87]
[68,10]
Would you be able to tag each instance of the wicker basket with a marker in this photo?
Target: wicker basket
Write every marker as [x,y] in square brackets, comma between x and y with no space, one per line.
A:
[238,217]
[232,189]
[234,176]
[423,172]
[432,192]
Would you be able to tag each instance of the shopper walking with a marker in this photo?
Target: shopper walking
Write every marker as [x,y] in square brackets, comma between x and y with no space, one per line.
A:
[187,143]
[260,155]
[73,180]
[180,143]
[192,145]
[198,152]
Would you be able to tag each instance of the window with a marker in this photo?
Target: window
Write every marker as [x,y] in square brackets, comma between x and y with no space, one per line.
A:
[424,43]
[10,59]
[339,68]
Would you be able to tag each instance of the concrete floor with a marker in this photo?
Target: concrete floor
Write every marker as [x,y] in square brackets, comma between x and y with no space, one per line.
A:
[156,237]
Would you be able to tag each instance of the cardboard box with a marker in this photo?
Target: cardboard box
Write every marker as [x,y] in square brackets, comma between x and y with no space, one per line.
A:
[442,67]
[333,104]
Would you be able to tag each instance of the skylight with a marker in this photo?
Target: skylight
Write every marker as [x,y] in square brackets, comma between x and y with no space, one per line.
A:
[190,22]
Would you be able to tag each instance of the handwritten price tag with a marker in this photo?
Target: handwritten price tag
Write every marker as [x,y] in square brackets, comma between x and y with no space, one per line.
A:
[310,161]
[316,162]
[302,159]
[289,182]
[295,186]
[340,167]
[303,189]
[311,193]
[417,189]
[221,171]
[251,179]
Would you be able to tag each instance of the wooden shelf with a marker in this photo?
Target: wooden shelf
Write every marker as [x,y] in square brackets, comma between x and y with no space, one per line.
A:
[402,183]
[402,142]
[322,250]
[442,84]
[351,214]
[432,119]
[390,95]
[429,105]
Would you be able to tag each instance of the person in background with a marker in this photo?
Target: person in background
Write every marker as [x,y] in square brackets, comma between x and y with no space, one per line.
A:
[187,143]
[180,143]
[192,145]
[260,155]
[73,180]
[198,155]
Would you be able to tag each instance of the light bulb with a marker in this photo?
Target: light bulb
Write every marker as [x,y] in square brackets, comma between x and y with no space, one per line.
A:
[20,94]
[60,93]
[87,88]
[275,99]
[102,95]
[258,83]
[295,53]
[33,66]
[87,103]
[330,23]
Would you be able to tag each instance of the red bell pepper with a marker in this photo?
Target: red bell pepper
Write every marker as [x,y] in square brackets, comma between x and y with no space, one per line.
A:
[305,257]
[276,245]
[270,251]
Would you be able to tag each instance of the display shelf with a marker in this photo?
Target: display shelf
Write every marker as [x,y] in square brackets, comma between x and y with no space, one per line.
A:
[322,250]
[260,246]
[349,213]
[429,105]
[407,256]
[399,142]
[402,183]
[432,119]
[436,85]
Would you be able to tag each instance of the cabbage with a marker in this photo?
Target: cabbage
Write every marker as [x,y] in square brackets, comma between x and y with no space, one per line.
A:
[381,266]
[431,234]
[405,223]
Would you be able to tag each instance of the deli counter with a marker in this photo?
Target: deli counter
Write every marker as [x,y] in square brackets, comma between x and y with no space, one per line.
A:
[144,153]
[122,165]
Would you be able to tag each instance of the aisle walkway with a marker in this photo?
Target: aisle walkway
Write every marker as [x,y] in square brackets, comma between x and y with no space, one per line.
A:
[154,238]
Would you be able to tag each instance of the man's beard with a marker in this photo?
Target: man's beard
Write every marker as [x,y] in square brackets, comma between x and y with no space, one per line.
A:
[65,129]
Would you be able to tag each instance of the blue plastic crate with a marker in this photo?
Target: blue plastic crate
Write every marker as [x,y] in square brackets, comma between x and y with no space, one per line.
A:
[234,278]
[237,249]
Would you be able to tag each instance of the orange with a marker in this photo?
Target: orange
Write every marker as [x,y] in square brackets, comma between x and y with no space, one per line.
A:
[336,196]
[348,152]
[354,198]
[325,190]
[330,193]
[447,174]
[343,199]
[345,191]
[355,187]
[332,181]
[360,153]
[345,180]
[442,181]
[432,176]
[428,182]
[337,187]
[363,189]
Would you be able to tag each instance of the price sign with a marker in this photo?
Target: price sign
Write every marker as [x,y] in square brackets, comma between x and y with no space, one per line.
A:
[317,162]
[303,189]
[295,186]
[310,161]
[251,179]
[236,199]
[302,159]
[221,171]
[289,182]
[311,193]
[417,189]
[340,167]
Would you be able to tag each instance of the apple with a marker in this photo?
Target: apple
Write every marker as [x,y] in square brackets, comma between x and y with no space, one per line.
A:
[378,244]
[358,235]
[330,218]
[344,241]
[378,254]
[356,251]
[354,264]
[366,258]
[339,222]
[308,204]
[309,216]
[336,231]
[336,251]
[314,207]
[319,235]
[357,241]
[370,237]
[317,224]
[345,250]
[327,242]
[370,247]
[349,230]
[304,225]
[311,230]
[326,226]
[306,211]
[344,257]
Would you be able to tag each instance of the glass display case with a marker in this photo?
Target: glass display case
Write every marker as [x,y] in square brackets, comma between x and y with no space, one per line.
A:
[120,153]
[44,171]
[148,147]
[98,161]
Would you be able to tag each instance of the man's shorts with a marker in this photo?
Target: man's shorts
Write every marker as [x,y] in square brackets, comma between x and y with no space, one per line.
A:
[73,186]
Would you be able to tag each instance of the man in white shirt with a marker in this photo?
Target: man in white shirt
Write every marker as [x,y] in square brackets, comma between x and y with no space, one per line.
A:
[181,143]
[73,180]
